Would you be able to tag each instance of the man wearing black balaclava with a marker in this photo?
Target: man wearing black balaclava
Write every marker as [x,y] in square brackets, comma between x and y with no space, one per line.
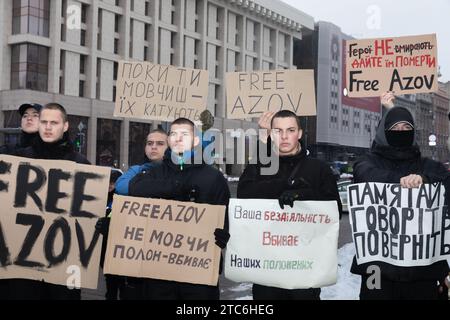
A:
[395,158]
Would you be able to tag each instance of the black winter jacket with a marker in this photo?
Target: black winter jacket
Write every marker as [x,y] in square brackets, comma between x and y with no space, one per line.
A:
[200,183]
[31,289]
[313,179]
[61,150]
[386,164]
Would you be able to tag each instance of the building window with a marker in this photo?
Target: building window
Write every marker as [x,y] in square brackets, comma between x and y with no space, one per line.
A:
[138,135]
[81,89]
[146,53]
[31,16]
[11,120]
[147,8]
[116,46]
[29,67]
[82,64]
[63,32]
[146,31]
[116,70]
[116,23]
[108,142]
[84,8]
[83,38]
[61,85]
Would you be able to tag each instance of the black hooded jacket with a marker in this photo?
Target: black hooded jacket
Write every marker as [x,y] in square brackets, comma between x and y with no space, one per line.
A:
[313,178]
[387,164]
[61,150]
[24,289]
[201,183]
[26,139]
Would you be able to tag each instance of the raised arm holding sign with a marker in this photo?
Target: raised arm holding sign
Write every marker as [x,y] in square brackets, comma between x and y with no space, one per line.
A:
[395,160]
[404,65]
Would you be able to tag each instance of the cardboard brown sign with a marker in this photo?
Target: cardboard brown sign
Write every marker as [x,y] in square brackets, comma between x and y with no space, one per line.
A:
[404,65]
[161,239]
[47,225]
[160,92]
[250,94]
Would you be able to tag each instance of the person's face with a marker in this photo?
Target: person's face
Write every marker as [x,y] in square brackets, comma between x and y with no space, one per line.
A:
[30,121]
[285,133]
[181,138]
[52,125]
[402,126]
[156,146]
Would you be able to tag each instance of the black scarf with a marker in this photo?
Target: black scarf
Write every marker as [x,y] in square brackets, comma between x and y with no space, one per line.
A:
[396,153]
[56,150]
[26,139]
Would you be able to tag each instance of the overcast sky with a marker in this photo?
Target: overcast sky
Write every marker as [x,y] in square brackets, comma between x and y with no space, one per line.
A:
[385,18]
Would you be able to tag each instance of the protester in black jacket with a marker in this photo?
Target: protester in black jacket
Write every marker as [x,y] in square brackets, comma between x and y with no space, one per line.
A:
[395,158]
[299,177]
[53,143]
[29,113]
[179,178]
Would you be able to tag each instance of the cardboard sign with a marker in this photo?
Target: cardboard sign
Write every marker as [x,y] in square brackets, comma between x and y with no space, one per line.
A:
[294,248]
[399,226]
[161,239]
[47,225]
[250,94]
[160,92]
[404,65]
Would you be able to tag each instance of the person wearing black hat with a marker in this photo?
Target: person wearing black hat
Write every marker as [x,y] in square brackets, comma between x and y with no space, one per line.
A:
[395,158]
[29,113]
[52,143]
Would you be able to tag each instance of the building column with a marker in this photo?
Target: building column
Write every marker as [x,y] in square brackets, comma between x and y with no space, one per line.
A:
[92,138]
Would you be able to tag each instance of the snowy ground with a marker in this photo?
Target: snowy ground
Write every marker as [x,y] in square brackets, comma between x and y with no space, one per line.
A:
[346,288]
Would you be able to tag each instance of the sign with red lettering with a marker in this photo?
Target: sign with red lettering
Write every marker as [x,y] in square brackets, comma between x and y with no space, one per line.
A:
[293,248]
[160,92]
[47,224]
[163,239]
[400,226]
[404,65]
[250,94]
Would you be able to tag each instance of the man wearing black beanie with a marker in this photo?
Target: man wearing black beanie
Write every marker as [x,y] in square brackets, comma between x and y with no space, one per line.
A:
[395,158]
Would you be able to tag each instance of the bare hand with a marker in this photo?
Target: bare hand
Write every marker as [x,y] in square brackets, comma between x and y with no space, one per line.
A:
[265,120]
[265,123]
[447,281]
[388,99]
[411,181]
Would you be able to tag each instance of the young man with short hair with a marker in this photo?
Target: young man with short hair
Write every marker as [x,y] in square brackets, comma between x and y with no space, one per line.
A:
[53,143]
[299,177]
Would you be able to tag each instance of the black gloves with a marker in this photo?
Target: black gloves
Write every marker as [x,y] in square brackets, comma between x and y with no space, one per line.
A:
[288,197]
[102,226]
[222,236]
